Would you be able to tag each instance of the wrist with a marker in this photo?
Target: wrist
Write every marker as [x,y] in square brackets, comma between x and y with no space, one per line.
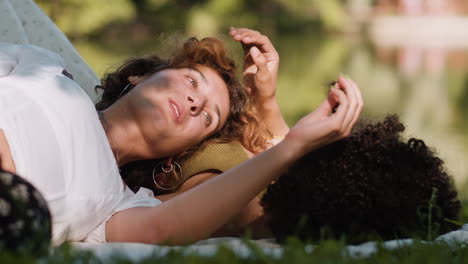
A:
[291,147]
[267,104]
[262,99]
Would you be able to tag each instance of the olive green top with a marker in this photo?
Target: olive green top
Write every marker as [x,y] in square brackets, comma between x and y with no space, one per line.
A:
[218,157]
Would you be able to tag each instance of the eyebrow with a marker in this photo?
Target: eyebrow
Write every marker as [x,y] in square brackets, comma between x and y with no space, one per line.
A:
[201,74]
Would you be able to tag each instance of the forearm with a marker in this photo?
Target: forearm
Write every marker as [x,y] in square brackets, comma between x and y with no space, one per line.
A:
[251,219]
[270,113]
[197,213]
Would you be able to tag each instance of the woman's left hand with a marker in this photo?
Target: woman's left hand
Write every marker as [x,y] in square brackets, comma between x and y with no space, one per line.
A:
[261,63]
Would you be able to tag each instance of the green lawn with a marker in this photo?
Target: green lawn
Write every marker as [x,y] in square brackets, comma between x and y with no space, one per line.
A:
[294,252]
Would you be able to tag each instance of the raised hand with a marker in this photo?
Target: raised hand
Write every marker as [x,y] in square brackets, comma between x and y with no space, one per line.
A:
[260,76]
[261,63]
[323,126]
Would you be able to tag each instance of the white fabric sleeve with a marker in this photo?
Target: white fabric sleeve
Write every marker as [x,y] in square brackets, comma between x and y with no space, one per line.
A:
[143,198]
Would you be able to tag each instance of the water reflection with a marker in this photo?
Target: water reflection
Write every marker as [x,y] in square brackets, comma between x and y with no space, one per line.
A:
[308,64]
[424,85]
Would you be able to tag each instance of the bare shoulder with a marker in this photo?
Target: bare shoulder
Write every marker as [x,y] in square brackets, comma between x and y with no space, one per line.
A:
[6,160]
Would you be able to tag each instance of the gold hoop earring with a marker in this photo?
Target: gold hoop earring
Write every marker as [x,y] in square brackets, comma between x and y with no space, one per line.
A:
[171,168]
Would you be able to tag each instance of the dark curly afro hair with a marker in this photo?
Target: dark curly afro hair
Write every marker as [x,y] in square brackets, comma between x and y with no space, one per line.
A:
[371,185]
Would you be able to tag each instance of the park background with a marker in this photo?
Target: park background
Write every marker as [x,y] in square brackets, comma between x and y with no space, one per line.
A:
[409,57]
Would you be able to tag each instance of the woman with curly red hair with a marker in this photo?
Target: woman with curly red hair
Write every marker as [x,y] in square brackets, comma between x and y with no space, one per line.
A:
[216,155]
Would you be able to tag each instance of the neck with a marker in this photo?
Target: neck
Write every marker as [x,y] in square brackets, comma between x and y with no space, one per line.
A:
[110,137]
[123,135]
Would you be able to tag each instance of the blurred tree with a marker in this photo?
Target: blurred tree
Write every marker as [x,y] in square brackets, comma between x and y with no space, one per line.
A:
[84,18]
[330,13]
[140,6]
[79,18]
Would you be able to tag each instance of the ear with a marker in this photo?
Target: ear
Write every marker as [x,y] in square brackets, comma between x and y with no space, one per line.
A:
[134,80]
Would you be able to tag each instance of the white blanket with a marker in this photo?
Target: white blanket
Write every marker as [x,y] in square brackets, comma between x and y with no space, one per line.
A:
[137,252]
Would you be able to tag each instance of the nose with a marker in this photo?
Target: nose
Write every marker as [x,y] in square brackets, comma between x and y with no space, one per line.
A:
[196,104]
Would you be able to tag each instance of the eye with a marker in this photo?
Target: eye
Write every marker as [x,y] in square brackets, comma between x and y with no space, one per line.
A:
[192,82]
[207,118]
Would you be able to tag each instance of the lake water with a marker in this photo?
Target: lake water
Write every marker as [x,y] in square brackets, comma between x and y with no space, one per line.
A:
[426,86]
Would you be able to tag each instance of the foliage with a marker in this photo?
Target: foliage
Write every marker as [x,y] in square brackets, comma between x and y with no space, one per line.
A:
[81,18]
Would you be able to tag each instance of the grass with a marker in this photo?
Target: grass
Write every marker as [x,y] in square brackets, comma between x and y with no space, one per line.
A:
[330,251]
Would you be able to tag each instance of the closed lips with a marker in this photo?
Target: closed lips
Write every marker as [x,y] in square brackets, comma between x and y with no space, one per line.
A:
[175,109]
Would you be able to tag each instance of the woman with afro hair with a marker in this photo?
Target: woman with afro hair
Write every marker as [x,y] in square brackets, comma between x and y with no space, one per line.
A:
[371,185]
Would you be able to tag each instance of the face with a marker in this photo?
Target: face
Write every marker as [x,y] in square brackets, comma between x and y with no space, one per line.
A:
[178,108]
